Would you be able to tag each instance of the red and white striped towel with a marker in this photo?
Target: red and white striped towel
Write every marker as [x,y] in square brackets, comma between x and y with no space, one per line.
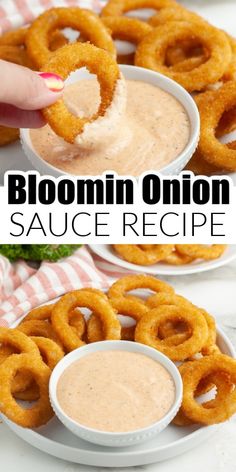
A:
[23,288]
[16,13]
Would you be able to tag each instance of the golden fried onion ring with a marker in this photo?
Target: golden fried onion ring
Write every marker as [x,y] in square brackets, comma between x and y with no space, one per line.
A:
[84,21]
[147,331]
[63,62]
[142,255]
[151,53]
[86,299]
[39,413]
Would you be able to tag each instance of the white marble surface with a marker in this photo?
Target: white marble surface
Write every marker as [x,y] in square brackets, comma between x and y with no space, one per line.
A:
[215,291]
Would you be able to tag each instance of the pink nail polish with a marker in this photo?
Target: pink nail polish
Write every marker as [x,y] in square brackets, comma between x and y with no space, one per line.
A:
[53,81]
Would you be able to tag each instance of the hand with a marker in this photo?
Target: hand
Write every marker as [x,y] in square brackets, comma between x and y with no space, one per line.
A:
[23,93]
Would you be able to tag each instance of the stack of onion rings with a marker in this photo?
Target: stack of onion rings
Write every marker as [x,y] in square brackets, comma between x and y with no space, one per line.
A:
[150,254]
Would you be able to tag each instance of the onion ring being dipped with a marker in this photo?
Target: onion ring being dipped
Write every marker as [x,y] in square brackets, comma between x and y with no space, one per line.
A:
[119,7]
[84,21]
[151,53]
[141,255]
[201,251]
[99,62]
[40,412]
[86,299]
[222,408]
[147,328]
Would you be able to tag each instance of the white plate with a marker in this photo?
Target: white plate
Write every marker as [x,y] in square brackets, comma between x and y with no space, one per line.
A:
[220,13]
[106,252]
[57,441]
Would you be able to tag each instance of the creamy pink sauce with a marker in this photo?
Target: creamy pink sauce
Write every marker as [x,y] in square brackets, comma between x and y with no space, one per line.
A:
[116,391]
[153,131]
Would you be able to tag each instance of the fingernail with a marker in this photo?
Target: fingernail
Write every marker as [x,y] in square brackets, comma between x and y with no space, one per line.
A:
[53,81]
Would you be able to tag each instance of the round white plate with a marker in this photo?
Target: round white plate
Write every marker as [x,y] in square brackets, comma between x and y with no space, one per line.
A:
[57,441]
[106,252]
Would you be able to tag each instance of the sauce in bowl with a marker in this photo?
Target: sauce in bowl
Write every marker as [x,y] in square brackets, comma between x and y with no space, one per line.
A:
[116,391]
[152,131]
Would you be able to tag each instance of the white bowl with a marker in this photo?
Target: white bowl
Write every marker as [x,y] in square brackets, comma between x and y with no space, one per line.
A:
[144,75]
[110,438]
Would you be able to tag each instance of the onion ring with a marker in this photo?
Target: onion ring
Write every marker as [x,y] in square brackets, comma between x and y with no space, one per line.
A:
[219,380]
[125,307]
[201,251]
[143,256]
[50,351]
[151,53]
[127,29]
[119,7]
[222,408]
[84,21]
[132,282]
[39,328]
[210,148]
[177,333]
[12,342]
[68,59]
[41,412]
[147,328]
[83,298]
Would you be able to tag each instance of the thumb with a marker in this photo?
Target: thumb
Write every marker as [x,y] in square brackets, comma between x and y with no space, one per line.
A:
[27,89]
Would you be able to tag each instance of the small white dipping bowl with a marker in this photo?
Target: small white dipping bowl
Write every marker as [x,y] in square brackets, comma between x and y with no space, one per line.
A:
[110,438]
[143,75]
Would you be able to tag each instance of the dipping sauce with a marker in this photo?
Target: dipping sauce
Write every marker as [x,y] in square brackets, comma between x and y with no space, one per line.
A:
[154,130]
[116,391]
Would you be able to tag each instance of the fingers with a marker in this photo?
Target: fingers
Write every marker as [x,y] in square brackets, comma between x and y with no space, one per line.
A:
[27,89]
[16,118]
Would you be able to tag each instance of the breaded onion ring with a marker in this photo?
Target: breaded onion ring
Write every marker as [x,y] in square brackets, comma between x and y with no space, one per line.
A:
[86,299]
[125,307]
[39,328]
[119,7]
[132,282]
[212,105]
[224,406]
[39,413]
[127,29]
[50,351]
[12,342]
[147,331]
[220,380]
[201,251]
[84,21]
[63,62]
[151,53]
[143,256]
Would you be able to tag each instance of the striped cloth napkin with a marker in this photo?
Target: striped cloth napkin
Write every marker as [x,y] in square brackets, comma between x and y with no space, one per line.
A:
[23,287]
[16,13]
